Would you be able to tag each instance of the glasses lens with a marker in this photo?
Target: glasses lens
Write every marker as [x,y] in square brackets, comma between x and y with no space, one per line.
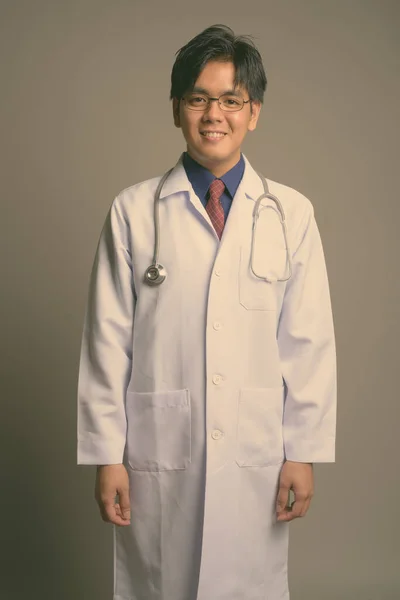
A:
[196,101]
[200,102]
[231,103]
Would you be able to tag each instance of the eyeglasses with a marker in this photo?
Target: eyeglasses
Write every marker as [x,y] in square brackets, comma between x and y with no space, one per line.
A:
[227,102]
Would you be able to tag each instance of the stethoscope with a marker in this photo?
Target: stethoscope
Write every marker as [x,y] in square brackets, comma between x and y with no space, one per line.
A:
[155,274]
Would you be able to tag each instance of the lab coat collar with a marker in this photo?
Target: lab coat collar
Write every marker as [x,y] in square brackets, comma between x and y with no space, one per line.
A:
[178,181]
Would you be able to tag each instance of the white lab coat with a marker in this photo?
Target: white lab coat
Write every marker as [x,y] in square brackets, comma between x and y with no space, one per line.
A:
[203,385]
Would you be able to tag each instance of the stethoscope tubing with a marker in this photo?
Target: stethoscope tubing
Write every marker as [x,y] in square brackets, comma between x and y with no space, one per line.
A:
[256,215]
[155,274]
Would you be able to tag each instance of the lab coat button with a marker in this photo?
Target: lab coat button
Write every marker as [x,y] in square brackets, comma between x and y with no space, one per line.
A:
[217,434]
[217,325]
[217,379]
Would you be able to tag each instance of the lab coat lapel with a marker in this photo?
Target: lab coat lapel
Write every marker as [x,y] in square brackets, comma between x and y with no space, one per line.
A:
[236,226]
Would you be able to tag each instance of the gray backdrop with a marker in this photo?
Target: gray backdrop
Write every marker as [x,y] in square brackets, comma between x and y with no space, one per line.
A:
[85,113]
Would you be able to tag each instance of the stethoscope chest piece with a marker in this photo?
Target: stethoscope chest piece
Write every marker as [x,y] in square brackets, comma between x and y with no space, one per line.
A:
[155,274]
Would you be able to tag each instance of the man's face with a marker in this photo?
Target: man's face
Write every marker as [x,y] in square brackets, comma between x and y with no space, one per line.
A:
[221,155]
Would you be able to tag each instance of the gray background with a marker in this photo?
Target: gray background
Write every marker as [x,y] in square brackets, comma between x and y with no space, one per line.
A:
[84,88]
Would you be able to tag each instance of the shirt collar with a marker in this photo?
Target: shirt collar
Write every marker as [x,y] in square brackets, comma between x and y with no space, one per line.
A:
[201,178]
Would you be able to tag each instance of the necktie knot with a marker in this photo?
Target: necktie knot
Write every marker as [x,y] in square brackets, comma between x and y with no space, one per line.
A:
[214,207]
[216,190]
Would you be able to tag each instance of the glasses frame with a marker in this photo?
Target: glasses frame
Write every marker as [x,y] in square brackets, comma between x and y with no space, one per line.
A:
[209,103]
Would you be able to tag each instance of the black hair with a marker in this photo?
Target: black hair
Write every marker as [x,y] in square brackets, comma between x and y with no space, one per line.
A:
[219,43]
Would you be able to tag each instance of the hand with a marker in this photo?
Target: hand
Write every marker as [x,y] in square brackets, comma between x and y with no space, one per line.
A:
[300,478]
[110,481]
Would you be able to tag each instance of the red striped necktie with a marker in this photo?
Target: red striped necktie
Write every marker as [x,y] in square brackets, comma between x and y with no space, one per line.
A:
[214,207]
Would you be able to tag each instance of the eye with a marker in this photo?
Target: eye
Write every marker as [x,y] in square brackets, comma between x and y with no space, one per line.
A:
[196,99]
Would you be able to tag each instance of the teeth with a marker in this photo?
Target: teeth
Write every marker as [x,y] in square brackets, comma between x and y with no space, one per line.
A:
[213,134]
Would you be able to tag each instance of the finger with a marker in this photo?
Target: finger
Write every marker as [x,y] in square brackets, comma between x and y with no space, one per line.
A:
[304,504]
[124,502]
[119,518]
[298,509]
[282,498]
[306,507]
[119,513]
[109,513]
[298,504]
[286,512]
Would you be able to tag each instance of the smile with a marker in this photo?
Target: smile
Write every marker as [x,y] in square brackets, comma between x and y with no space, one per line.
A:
[213,136]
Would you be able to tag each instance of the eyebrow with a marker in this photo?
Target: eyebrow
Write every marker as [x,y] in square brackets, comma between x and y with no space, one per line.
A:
[200,90]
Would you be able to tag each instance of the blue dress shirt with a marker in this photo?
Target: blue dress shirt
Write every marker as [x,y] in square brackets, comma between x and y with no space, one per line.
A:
[201,179]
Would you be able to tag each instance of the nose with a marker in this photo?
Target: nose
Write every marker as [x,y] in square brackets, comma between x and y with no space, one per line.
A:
[214,109]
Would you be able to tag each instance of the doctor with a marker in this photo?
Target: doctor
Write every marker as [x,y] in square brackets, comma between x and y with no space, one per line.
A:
[205,399]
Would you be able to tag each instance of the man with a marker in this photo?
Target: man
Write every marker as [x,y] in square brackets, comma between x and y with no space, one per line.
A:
[205,399]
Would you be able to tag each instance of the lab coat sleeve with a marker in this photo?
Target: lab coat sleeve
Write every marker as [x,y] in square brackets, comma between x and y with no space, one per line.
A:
[106,349]
[307,352]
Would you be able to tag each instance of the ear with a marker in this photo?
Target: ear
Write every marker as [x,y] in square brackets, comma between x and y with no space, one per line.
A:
[175,111]
[255,113]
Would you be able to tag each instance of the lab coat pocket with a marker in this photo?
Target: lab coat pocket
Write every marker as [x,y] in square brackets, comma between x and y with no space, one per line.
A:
[254,293]
[158,430]
[259,427]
